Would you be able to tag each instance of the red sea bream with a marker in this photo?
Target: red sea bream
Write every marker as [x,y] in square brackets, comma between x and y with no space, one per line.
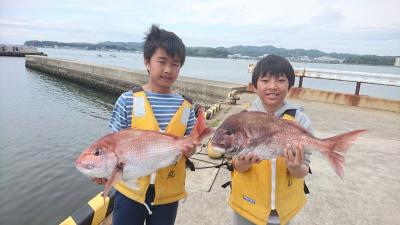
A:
[267,135]
[131,153]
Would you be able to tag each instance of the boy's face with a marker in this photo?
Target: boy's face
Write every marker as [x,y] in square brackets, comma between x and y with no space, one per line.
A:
[163,71]
[272,91]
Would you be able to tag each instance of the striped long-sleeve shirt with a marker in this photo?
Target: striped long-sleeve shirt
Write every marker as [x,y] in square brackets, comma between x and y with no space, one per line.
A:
[164,107]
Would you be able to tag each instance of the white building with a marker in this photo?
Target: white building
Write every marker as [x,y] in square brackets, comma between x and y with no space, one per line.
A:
[397,61]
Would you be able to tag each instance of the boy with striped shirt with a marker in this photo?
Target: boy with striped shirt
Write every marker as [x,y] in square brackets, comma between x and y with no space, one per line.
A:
[155,106]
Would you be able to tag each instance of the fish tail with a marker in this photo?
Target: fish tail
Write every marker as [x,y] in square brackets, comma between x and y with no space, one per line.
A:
[333,149]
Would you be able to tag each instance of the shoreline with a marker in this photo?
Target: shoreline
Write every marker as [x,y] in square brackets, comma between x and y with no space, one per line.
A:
[196,56]
[21,54]
[117,79]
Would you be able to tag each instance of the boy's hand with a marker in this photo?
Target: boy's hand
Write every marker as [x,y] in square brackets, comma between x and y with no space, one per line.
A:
[190,148]
[99,181]
[243,162]
[295,161]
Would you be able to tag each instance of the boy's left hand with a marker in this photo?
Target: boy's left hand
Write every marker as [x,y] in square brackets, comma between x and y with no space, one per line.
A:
[295,161]
[190,148]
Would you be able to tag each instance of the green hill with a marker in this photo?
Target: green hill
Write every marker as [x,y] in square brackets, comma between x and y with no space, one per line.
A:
[311,55]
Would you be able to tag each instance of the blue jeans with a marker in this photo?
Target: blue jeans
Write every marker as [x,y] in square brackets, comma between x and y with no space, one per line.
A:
[127,211]
[239,220]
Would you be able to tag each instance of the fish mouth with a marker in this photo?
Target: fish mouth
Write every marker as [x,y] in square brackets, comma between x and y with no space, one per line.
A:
[84,166]
[219,150]
[218,147]
[231,153]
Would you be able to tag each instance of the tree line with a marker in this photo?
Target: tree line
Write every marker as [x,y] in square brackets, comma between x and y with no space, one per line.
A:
[222,52]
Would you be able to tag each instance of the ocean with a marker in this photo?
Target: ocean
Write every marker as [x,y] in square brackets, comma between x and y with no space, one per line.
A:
[235,70]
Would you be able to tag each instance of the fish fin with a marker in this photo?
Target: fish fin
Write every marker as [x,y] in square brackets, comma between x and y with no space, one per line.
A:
[296,125]
[200,129]
[116,175]
[334,147]
[336,160]
[133,184]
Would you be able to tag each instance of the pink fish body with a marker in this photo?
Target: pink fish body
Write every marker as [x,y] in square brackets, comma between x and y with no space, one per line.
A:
[267,135]
[132,153]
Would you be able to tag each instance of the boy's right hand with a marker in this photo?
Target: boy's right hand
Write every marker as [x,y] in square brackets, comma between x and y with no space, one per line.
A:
[99,181]
[243,162]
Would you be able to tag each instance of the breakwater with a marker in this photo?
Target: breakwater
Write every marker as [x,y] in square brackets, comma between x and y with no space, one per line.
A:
[344,99]
[117,79]
[18,51]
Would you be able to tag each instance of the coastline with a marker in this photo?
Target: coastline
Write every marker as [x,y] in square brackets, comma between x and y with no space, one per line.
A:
[243,59]
[117,79]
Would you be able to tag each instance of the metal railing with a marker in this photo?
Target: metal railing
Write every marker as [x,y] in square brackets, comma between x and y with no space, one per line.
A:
[349,76]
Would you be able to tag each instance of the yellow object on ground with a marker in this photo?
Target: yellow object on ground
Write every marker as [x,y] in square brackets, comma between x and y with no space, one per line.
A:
[211,152]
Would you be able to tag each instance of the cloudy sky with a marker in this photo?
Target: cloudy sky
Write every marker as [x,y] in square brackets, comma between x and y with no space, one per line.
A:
[345,26]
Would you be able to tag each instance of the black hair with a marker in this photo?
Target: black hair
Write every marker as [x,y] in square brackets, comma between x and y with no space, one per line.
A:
[160,38]
[273,65]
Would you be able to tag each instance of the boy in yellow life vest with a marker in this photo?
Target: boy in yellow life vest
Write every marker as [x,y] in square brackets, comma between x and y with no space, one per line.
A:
[155,106]
[271,191]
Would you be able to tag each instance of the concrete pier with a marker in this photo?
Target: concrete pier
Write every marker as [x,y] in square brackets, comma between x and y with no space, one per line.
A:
[117,79]
[19,51]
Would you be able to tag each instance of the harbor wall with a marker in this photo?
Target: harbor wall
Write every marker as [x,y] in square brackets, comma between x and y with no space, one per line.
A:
[118,79]
[345,99]
[18,51]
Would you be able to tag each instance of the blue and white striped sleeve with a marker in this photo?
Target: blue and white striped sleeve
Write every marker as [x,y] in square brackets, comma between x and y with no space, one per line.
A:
[191,121]
[119,118]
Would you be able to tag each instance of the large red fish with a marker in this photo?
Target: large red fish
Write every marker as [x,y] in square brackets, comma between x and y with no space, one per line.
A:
[267,135]
[131,153]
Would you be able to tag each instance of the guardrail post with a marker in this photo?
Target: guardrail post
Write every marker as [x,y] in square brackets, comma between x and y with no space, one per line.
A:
[358,88]
[301,82]
[301,78]
[94,212]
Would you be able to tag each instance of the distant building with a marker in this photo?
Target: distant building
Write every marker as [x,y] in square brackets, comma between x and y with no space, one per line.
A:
[17,48]
[397,61]
[299,59]
[327,59]
[238,56]
[235,56]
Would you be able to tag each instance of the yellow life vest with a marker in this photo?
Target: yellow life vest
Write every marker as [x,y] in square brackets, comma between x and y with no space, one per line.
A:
[170,181]
[251,191]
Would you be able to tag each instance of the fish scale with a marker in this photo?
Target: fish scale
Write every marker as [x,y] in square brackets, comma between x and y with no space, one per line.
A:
[132,153]
[267,136]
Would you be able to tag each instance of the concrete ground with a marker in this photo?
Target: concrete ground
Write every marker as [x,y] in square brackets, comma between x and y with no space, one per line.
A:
[369,193]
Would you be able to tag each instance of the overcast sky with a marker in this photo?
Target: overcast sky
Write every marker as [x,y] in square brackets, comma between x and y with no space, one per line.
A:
[343,26]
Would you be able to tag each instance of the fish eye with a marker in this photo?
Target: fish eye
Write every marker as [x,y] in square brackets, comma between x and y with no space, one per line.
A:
[97,152]
[229,132]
